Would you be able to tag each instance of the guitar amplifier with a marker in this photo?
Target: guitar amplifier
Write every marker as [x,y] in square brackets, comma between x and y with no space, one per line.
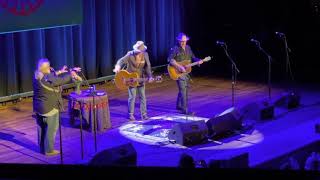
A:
[188,134]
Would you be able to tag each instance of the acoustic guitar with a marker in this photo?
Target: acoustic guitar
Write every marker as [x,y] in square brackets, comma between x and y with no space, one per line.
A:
[123,79]
[175,74]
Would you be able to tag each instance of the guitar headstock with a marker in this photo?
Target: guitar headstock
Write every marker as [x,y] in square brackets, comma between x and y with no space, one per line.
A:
[207,59]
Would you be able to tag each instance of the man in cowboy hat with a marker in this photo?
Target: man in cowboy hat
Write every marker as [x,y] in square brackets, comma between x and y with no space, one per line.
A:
[138,61]
[182,52]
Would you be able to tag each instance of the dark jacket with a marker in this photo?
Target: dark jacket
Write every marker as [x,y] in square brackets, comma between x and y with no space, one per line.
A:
[47,92]
[144,69]
[178,54]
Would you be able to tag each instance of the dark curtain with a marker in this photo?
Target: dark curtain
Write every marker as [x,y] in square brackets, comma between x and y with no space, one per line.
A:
[109,30]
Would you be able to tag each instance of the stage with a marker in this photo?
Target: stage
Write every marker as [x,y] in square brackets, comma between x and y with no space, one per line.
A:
[266,140]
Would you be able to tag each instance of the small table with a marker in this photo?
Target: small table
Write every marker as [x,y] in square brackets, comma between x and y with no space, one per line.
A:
[84,102]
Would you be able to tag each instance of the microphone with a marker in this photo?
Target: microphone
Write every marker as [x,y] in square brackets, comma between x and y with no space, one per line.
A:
[220,43]
[280,34]
[255,41]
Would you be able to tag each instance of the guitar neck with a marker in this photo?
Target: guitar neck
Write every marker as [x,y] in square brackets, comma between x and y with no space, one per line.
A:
[137,79]
[197,63]
[192,64]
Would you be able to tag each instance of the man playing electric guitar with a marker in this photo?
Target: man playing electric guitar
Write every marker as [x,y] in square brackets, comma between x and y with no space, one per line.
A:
[180,53]
[137,61]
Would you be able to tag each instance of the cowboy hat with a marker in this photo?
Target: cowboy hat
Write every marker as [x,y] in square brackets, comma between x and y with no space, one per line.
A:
[138,45]
[182,37]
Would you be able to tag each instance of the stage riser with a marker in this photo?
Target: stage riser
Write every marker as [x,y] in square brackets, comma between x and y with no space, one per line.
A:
[301,155]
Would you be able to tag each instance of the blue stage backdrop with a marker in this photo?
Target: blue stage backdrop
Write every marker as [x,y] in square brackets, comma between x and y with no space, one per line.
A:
[109,29]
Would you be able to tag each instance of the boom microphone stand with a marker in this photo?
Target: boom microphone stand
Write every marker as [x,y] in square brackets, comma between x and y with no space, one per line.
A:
[81,132]
[93,95]
[78,83]
[234,68]
[60,132]
[81,126]
[283,37]
[288,67]
[58,96]
[78,91]
[257,43]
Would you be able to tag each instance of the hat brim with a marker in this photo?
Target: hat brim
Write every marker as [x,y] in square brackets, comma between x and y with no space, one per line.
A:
[136,48]
[179,39]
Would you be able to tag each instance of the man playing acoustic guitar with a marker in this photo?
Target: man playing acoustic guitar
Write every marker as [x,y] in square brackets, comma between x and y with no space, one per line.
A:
[137,61]
[179,53]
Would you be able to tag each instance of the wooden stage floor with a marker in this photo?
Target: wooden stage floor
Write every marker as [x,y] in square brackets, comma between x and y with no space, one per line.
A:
[208,97]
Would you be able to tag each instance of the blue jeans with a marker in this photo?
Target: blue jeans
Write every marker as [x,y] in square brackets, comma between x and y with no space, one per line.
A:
[132,99]
[47,130]
[182,99]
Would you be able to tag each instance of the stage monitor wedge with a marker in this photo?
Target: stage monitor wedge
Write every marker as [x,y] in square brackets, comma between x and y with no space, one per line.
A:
[260,110]
[22,15]
[123,155]
[290,100]
[226,122]
[189,134]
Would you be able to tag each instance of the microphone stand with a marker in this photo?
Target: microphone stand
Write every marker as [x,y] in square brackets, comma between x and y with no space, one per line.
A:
[287,56]
[289,80]
[60,131]
[81,119]
[81,127]
[288,50]
[235,71]
[60,128]
[92,94]
[78,91]
[269,67]
[81,131]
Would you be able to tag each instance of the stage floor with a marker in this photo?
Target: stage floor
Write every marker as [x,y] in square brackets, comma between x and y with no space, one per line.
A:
[269,139]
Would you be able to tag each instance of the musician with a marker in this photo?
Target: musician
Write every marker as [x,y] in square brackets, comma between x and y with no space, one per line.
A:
[179,53]
[137,61]
[47,102]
